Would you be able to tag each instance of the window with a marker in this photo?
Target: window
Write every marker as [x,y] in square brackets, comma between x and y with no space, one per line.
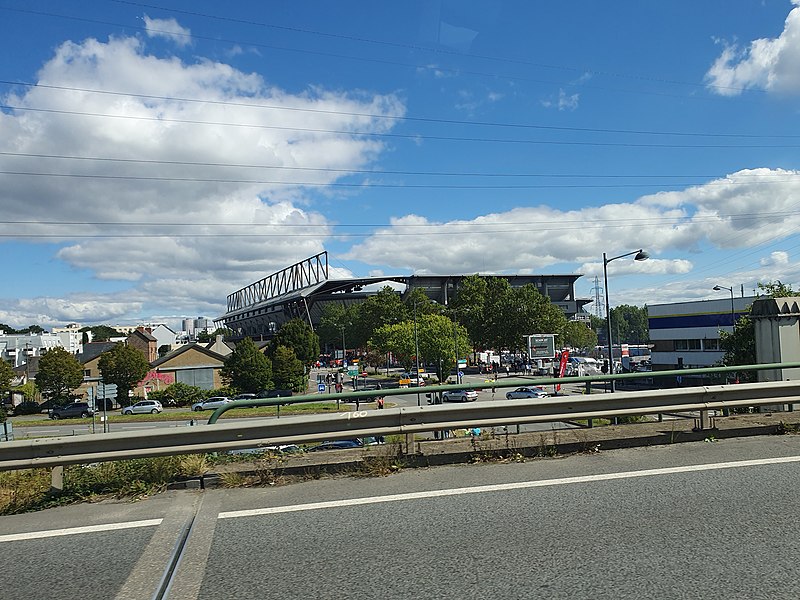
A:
[687,345]
[711,345]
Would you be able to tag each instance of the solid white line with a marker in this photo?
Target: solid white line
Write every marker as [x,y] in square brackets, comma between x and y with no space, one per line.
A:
[506,486]
[35,535]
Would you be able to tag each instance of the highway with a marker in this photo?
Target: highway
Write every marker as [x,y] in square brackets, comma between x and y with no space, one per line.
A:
[694,520]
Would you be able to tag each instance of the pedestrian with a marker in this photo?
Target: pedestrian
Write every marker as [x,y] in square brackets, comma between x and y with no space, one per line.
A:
[358,402]
[508,371]
[380,402]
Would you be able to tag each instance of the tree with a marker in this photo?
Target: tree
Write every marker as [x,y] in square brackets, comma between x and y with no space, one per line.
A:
[335,319]
[59,373]
[630,324]
[6,375]
[287,370]
[100,333]
[740,345]
[576,334]
[776,289]
[397,339]
[247,369]
[123,366]
[438,339]
[298,336]
[384,308]
[204,337]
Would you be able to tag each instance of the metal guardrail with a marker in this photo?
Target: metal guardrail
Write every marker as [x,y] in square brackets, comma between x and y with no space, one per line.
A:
[501,383]
[53,452]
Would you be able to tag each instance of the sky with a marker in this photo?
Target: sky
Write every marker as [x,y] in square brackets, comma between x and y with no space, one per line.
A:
[158,156]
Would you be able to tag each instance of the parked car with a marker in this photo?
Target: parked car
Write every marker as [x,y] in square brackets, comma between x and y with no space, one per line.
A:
[527,392]
[211,403]
[337,445]
[275,394]
[143,407]
[26,408]
[76,409]
[460,396]
[245,396]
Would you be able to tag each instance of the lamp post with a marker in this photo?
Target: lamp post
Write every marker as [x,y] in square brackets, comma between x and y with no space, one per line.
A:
[416,350]
[639,255]
[718,288]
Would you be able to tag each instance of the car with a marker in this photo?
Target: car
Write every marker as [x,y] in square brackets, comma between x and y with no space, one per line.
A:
[337,445]
[245,396]
[26,408]
[76,409]
[143,407]
[275,394]
[211,403]
[527,392]
[459,396]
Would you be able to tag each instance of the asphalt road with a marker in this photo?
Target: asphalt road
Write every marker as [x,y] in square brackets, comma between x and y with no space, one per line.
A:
[684,521]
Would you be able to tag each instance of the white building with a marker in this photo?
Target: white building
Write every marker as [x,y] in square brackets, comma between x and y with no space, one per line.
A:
[17,348]
[685,335]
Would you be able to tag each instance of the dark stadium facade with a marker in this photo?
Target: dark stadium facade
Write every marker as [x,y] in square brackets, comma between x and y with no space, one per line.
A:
[303,289]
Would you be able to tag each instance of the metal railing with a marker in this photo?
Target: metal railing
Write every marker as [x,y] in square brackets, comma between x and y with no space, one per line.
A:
[53,452]
[501,383]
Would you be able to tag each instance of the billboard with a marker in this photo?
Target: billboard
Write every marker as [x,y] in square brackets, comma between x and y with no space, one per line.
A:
[541,345]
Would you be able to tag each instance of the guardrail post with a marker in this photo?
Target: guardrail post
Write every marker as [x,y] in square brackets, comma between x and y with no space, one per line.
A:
[57,479]
[703,422]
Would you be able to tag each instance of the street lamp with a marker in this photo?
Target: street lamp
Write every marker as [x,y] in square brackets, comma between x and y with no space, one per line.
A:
[718,288]
[416,349]
[639,255]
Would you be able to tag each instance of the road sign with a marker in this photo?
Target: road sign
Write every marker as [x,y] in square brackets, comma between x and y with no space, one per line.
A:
[462,362]
[320,387]
[106,391]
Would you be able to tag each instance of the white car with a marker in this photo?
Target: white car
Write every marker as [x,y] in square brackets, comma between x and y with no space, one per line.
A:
[459,396]
[143,407]
[211,403]
[527,392]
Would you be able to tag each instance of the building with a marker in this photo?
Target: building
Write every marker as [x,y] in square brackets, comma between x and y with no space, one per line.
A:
[686,334]
[192,364]
[16,349]
[304,289]
[144,342]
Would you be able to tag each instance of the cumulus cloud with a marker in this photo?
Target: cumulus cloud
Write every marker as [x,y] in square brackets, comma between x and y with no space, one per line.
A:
[179,198]
[169,29]
[744,209]
[772,64]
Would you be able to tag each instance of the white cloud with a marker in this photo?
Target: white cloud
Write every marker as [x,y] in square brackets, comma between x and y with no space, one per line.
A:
[563,102]
[776,259]
[169,29]
[742,210]
[195,232]
[772,64]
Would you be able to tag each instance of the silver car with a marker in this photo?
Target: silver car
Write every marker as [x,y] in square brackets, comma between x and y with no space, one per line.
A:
[211,403]
[527,392]
[460,396]
[143,407]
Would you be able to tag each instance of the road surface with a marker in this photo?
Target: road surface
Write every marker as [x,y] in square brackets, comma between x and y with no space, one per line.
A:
[695,520]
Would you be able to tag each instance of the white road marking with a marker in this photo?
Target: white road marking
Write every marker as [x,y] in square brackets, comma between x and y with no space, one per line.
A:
[35,535]
[507,486]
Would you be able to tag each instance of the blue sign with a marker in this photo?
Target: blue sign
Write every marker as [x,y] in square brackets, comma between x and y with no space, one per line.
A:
[320,387]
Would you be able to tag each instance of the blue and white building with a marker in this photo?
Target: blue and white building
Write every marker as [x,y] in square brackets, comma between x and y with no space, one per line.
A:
[685,335]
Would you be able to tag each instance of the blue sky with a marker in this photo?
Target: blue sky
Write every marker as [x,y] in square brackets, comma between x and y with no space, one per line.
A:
[157,156]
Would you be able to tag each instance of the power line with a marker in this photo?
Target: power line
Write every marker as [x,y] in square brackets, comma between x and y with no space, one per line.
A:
[371,59]
[563,225]
[436,120]
[365,185]
[436,50]
[398,135]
